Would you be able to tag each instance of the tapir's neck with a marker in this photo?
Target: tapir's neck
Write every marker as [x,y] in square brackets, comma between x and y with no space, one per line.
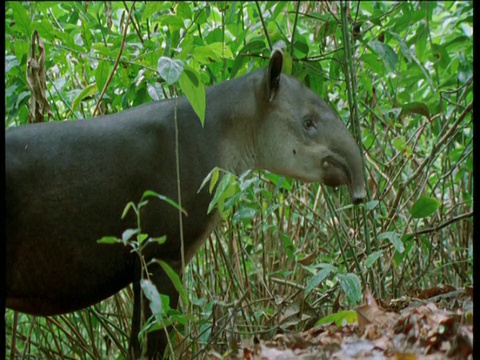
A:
[235,117]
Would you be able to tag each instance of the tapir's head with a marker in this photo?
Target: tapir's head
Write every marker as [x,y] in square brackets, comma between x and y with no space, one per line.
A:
[300,135]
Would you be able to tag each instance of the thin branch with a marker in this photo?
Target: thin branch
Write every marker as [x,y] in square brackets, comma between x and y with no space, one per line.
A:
[115,66]
[263,25]
[444,224]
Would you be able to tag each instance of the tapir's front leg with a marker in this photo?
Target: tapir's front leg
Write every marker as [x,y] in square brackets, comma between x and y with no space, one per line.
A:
[157,341]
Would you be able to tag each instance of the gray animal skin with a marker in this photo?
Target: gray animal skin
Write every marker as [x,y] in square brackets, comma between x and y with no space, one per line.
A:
[67,184]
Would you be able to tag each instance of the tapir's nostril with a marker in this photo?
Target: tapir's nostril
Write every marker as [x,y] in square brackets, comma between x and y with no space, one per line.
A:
[358,197]
[357,200]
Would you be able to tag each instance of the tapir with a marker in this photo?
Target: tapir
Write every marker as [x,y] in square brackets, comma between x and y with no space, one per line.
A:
[68,182]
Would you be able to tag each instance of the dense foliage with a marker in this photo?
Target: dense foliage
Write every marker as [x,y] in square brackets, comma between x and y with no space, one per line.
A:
[398,73]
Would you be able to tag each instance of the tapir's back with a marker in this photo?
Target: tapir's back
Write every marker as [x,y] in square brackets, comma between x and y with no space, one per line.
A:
[67,185]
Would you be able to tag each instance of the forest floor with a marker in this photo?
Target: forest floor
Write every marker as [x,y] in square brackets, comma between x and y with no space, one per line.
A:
[433,324]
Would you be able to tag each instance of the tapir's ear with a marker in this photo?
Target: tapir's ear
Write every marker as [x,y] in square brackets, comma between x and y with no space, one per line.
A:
[274,72]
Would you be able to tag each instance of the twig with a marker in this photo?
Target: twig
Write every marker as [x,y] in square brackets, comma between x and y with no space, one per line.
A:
[135,25]
[115,66]
[263,25]
[445,224]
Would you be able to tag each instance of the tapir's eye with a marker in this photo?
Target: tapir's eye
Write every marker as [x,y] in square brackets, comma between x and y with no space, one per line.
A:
[309,124]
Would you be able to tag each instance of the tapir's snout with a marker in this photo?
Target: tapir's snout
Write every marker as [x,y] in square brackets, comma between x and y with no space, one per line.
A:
[346,170]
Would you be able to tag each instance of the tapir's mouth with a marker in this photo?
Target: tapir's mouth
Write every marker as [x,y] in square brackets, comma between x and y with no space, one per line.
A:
[335,172]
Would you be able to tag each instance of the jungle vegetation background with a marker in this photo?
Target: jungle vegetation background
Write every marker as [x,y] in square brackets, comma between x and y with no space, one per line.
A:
[399,74]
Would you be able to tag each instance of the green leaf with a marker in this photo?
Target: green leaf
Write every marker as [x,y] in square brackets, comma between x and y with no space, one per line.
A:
[213,181]
[408,242]
[415,107]
[318,278]
[340,318]
[175,279]
[371,205]
[399,143]
[440,56]
[212,177]
[424,207]
[170,70]
[152,7]
[173,22]
[394,239]
[22,20]
[89,91]
[150,193]
[373,63]
[227,187]
[108,240]
[127,235]
[386,53]
[183,10]
[301,47]
[372,258]
[152,294]
[160,240]
[101,74]
[141,238]
[211,53]
[194,89]
[352,286]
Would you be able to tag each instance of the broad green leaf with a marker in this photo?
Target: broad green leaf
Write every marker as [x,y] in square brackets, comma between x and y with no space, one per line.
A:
[221,50]
[127,235]
[141,238]
[399,143]
[386,53]
[174,22]
[371,204]
[340,318]
[403,47]
[152,7]
[89,91]
[204,54]
[301,48]
[421,41]
[394,239]
[416,107]
[253,47]
[424,207]
[170,70]
[440,56]
[22,20]
[175,279]
[194,90]
[318,278]
[183,9]
[102,73]
[352,286]
[373,63]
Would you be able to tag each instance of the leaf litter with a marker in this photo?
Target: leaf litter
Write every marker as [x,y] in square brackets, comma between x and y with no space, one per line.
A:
[427,325]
